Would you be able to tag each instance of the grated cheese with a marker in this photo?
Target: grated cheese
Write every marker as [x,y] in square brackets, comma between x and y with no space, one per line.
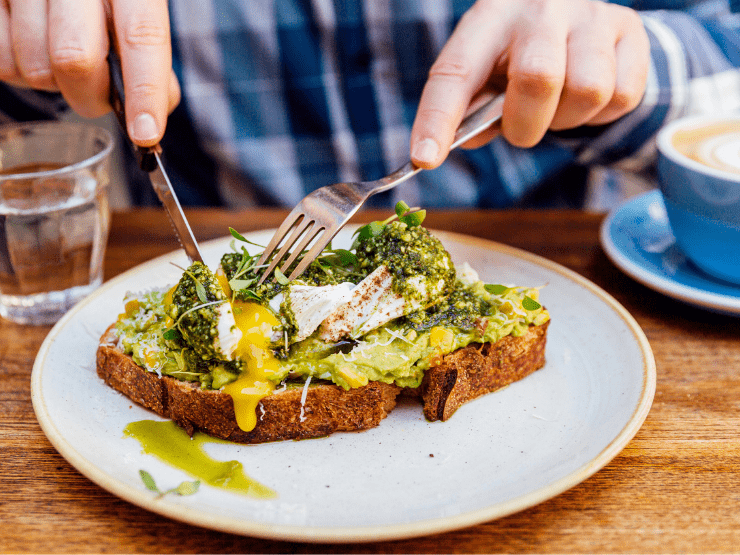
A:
[301,417]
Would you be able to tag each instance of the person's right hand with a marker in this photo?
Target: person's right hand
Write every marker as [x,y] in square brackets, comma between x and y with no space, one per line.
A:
[62,45]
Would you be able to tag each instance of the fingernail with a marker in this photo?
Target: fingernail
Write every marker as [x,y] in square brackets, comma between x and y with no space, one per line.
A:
[145,128]
[426,150]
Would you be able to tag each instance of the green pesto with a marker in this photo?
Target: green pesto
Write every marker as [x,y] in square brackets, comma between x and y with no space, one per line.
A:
[413,257]
[142,336]
[196,317]
[462,310]
[402,350]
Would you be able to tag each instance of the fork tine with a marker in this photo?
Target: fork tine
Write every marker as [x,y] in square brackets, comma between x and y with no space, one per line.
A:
[303,225]
[293,219]
[307,238]
[315,251]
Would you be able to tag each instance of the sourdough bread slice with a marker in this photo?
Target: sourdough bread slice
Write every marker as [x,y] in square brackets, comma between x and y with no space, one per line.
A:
[458,377]
[327,408]
[478,369]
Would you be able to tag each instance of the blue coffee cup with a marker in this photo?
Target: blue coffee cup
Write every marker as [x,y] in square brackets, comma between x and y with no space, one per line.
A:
[699,174]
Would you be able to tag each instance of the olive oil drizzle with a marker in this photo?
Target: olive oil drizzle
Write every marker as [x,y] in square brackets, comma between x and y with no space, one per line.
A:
[171,444]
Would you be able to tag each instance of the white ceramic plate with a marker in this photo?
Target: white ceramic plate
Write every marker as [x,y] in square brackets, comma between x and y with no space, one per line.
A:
[497,455]
[637,237]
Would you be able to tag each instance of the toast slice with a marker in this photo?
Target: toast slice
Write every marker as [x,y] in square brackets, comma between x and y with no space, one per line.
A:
[479,369]
[327,408]
[458,378]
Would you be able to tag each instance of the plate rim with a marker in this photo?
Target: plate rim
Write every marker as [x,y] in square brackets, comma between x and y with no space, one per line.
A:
[356,534]
[686,293]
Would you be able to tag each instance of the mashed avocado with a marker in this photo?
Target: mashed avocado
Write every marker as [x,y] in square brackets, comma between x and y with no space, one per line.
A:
[402,350]
[178,333]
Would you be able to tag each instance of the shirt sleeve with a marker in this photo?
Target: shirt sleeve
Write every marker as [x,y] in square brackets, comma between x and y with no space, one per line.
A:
[17,104]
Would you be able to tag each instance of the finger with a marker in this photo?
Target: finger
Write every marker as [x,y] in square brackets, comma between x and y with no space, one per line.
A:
[484,137]
[461,69]
[174,93]
[633,61]
[28,28]
[590,75]
[143,32]
[8,70]
[78,45]
[536,75]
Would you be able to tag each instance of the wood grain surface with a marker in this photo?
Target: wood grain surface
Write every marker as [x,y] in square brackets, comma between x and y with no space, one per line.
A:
[674,488]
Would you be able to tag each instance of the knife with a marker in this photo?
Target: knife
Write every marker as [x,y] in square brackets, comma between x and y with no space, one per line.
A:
[150,160]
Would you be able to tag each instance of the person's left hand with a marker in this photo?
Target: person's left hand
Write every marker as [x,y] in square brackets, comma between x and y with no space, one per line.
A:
[562,63]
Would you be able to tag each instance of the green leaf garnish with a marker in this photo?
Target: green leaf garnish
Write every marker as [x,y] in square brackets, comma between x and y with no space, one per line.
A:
[148,481]
[236,235]
[184,488]
[172,334]
[414,218]
[528,303]
[280,277]
[199,289]
[346,258]
[401,208]
[495,289]
[238,284]
[373,229]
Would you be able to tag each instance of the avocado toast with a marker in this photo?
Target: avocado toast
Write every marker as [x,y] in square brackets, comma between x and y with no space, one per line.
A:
[330,351]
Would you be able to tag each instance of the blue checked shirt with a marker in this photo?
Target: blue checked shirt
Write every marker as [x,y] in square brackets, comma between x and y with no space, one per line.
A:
[281,97]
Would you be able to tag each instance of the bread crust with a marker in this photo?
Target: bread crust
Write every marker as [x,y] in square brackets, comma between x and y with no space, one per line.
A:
[327,408]
[459,377]
[478,369]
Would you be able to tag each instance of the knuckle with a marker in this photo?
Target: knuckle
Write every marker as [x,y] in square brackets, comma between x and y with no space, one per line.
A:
[73,61]
[434,114]
[143,90]
[8,70]
[36,77]
[624,100]
[451,70]
[538,77]
[145,32]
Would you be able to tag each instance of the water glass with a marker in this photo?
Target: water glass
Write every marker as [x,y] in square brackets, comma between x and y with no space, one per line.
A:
[54,217]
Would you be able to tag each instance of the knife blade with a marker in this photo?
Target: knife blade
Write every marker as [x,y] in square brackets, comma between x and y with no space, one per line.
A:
[163,187]
[150,160]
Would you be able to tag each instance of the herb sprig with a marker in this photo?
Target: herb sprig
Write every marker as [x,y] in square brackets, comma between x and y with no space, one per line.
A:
[184,488]
[410,216]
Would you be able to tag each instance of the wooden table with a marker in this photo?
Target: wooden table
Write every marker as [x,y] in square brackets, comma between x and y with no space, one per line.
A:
[674,488]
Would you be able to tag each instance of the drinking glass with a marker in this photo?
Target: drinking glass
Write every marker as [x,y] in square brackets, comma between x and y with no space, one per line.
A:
[54,217]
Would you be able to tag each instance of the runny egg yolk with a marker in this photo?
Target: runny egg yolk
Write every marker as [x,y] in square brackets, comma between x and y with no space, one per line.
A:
[256,323]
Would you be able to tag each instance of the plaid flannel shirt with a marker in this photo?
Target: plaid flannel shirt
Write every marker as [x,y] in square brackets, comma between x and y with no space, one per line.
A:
[281,97]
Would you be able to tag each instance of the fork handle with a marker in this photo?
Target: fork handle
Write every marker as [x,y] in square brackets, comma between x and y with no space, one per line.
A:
[485,117]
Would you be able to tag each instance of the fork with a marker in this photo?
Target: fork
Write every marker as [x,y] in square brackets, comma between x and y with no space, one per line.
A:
[322,213]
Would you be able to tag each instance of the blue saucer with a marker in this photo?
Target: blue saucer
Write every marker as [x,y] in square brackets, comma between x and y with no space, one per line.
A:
[637,238]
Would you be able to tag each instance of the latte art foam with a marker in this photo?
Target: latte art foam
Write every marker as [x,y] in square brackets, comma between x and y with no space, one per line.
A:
[716,146]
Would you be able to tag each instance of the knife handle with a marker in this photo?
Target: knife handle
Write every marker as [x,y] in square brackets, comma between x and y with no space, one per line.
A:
[144,155]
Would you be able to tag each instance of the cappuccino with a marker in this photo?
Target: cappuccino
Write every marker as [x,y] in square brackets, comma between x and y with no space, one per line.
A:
[715,145]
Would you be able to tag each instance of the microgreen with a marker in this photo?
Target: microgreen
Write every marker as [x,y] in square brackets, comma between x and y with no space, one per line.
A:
[239,237]
[496,289]
[238,284]
[184,488]
[410,216]
[199,289]
[172,334]
[413,219]
[280,277]
[528,303]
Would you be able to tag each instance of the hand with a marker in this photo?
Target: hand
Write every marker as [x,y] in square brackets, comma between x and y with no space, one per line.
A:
[563,64]
[62,45]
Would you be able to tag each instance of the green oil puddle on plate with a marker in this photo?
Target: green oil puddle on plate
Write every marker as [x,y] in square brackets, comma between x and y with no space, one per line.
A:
[170,443]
